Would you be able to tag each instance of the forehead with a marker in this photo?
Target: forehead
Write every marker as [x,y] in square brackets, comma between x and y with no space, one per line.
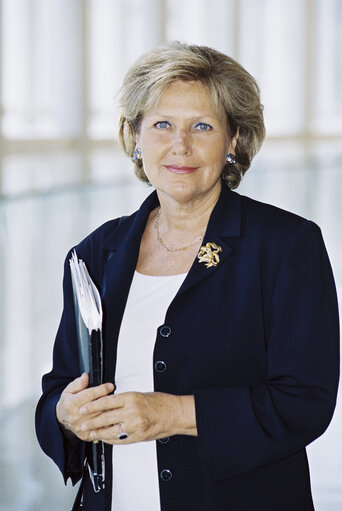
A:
[185,95]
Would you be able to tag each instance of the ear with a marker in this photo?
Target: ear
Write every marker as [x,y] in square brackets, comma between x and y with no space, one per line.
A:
[233,141]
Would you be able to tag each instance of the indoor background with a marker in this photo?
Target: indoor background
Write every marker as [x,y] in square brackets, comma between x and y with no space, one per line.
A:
[62,174]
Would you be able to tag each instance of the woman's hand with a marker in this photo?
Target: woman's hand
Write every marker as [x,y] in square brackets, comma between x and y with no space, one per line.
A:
[75,396]
[144,416]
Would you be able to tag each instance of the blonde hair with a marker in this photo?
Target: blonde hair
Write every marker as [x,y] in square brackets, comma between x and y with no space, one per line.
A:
[231,87]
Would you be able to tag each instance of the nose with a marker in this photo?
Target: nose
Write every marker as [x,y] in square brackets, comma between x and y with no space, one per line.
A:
[182,143]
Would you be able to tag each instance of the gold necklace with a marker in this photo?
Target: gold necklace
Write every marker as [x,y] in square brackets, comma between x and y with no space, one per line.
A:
[168,247]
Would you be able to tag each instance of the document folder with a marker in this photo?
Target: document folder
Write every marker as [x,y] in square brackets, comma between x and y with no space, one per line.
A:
[88,313]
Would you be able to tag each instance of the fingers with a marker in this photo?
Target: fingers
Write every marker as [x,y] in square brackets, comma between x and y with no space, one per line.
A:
[110,434]
[81,383]
[92,414]
[74,396]
[78,384]
[101,421]
[93,393]
[129,409]
[84,394]
[102,404]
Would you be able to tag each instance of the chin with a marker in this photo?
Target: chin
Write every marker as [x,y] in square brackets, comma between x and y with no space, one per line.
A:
[183,195]
[184,188]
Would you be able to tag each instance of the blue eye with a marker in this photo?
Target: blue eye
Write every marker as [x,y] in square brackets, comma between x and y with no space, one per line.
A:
[162,125]
[203,126]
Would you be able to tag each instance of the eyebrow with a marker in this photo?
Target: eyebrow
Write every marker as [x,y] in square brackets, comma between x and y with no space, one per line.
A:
[194,117]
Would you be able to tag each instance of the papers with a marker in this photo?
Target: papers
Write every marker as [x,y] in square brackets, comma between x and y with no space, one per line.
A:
[88,312]
[88,297]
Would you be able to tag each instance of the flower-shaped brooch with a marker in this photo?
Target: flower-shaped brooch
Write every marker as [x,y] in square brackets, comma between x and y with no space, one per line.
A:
[209,254]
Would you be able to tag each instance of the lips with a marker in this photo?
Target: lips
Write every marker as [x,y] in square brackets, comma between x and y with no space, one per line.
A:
[180,169]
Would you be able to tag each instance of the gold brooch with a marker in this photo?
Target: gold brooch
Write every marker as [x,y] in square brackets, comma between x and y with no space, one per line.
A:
[209,254]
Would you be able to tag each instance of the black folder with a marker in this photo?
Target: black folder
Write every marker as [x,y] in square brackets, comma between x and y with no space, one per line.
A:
[88,313]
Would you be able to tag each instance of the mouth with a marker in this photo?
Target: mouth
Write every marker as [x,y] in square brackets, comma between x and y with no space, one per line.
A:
[177,169]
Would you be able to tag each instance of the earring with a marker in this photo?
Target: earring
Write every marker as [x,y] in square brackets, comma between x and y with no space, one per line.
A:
[230,158]
[137,155]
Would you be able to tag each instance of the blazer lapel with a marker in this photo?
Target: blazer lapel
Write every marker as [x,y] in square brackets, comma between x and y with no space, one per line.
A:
[123,249]
[224,223]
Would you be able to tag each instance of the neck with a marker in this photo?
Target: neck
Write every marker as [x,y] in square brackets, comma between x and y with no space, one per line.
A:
[190,216]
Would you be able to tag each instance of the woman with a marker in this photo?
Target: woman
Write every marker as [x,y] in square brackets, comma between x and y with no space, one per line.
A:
[220,313]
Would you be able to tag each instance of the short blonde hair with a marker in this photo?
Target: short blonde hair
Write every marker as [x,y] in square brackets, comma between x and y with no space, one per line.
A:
[231,87]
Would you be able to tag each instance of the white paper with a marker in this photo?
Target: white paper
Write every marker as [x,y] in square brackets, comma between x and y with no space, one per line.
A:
[88,297]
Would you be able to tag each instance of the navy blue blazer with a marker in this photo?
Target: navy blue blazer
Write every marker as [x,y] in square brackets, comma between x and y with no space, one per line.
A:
[254,339]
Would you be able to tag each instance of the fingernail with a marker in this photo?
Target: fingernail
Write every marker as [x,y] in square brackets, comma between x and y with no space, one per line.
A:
[84,427]
[82,410]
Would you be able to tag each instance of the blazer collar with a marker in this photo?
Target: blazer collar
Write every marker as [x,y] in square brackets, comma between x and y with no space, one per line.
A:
[225,220]
[131,228]
[226,215]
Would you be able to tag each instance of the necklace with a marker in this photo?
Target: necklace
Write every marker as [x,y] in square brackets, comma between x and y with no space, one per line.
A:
[168,247]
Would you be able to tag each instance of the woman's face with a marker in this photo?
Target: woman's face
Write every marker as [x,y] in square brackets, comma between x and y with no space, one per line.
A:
[184,142]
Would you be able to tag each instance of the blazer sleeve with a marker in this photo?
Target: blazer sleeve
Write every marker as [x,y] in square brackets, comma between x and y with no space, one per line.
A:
[67,454]
[242,428]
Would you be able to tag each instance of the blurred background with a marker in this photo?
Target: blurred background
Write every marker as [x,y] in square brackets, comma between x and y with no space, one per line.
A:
[62,174]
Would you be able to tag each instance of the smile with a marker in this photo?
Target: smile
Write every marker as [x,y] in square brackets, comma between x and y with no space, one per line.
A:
[180,169]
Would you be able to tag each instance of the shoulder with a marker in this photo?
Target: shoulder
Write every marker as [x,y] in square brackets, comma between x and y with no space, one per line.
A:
[93,249]
[267,220]
[270,232]
[98,239]
[269,214]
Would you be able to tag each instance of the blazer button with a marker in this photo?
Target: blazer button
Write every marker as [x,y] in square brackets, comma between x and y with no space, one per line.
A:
[166,475]
[165,331]
[160,366]
[165,440]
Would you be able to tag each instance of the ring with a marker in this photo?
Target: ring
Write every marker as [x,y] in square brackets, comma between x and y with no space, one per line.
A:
[122,435]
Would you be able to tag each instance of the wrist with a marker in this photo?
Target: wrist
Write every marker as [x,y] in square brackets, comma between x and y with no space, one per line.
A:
[186,416]
[67,432]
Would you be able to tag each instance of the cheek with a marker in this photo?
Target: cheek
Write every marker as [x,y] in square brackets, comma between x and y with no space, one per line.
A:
[154,147]
[214,153]
[149,139]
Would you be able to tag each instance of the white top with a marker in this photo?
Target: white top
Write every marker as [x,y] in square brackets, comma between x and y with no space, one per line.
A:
[135,471]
